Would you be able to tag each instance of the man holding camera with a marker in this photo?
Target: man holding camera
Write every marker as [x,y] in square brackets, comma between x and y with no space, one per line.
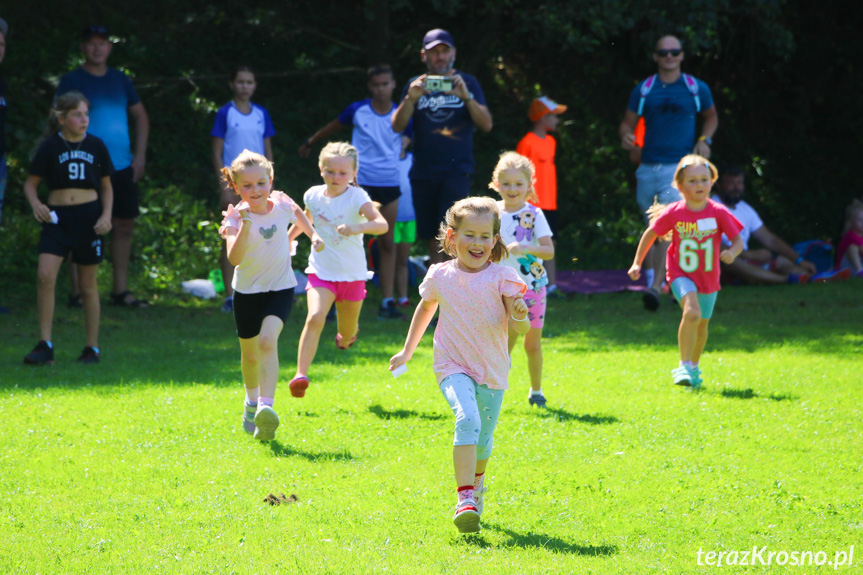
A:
[446,106]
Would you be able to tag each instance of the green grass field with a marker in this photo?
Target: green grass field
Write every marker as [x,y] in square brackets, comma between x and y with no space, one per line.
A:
[140,465]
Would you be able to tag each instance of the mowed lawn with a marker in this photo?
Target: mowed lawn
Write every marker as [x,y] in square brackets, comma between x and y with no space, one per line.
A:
[140,465]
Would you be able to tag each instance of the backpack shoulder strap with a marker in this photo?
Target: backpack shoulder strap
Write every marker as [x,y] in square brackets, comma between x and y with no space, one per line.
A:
[646,86]
[692,86]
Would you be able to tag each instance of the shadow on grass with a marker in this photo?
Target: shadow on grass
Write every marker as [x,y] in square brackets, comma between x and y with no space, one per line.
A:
[403,413]
[538,541]
[590,419]
[749,394]
[280,450]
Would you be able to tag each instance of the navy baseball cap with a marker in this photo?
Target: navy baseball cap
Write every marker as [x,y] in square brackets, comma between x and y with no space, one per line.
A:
[437,36]
[91,31]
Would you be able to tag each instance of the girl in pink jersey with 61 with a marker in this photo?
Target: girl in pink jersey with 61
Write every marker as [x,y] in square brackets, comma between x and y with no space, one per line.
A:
[696,224]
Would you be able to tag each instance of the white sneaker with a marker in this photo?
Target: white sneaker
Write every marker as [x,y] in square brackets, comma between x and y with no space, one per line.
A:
[266,423]
[466,517]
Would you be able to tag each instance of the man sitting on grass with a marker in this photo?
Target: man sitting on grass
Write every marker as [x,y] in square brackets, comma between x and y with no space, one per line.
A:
[776,262]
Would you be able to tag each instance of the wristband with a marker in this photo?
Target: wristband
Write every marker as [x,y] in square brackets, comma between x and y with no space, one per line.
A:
[706,140]
[247,219]
[799,259]
[525,318]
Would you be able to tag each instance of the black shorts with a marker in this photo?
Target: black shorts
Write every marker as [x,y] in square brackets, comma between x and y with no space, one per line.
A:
[125,195]
[74,233]
[383,194]
[250,309]
[551,218]
[433,197]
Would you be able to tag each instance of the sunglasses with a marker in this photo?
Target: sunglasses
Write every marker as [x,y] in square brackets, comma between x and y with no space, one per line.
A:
[674,53]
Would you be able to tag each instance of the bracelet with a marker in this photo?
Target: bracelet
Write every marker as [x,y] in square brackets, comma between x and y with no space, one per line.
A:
[706,140]
[525,318]
[469,97]
[799,259]
[247,219]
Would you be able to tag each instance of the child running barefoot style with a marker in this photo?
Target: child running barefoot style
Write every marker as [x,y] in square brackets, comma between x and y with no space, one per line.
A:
[240,125]
[256,234]
[527,236]
[77,169]
[342,213]
[480,302]
[696,224]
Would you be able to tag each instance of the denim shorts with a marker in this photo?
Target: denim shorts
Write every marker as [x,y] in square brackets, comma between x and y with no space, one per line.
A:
[654,181]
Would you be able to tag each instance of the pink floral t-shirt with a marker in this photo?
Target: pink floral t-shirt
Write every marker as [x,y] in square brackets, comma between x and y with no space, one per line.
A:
[471,335]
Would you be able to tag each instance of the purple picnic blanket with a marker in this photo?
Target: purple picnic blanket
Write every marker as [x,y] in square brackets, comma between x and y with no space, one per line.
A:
[598,281]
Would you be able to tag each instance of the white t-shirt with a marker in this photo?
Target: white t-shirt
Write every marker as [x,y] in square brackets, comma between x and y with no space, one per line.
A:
[266,266]
[525,226]
[747,216]
[343,258]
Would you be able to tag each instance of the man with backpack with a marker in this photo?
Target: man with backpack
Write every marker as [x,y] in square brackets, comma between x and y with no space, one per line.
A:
[669,101]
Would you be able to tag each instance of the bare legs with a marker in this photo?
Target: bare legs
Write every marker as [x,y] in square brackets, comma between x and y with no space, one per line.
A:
[320,300]
[47,271]
[260,357]
[692,333]
[387,247]
[533,349]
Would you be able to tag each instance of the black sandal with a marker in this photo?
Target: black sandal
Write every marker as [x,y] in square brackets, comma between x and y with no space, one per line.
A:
[122,299]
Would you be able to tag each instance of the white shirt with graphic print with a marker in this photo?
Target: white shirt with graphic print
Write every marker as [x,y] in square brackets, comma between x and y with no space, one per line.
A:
[343,259]
[525,226]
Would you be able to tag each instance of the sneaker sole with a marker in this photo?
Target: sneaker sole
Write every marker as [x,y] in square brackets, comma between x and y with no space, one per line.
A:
[266,423]
[467,522]
[298,386]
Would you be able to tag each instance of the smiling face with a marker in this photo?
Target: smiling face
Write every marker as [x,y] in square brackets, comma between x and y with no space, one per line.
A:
[254,184]
[473,242]
[668,54]
[243,85]
[695,183]
[513,186]
[74,123]
[338,172]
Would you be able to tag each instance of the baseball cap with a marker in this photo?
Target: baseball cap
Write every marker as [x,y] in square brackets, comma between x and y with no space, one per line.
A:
[437,36]
[91,31]
[542,106]
[4,27]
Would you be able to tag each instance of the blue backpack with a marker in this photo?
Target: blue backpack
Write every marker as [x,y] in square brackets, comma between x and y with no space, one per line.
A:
[691,85]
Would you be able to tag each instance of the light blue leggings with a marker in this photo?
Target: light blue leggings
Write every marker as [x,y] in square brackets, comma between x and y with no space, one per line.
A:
[476,409]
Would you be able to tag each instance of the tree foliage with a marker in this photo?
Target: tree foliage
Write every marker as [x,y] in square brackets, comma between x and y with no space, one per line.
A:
[783,77]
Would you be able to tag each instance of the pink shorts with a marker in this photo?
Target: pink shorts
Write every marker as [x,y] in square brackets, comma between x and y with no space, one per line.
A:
[345,291]
[535,307]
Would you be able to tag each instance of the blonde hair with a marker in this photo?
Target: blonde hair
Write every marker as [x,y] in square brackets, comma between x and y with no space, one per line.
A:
[339,150]
[515,161]
[466,208]
[854,207]
[247,159]
[693,160]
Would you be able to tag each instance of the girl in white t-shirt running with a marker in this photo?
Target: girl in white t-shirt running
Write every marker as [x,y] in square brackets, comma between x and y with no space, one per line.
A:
[256,234]
[527,236]
[342,213]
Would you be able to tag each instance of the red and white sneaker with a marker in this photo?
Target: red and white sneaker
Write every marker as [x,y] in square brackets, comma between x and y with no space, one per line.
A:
[466,516]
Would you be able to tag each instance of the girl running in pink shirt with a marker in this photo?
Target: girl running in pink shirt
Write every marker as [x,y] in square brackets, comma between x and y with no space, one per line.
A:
[480,301]
[696,224]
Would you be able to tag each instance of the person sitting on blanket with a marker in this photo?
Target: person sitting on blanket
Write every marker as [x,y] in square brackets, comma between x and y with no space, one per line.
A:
[776,262]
